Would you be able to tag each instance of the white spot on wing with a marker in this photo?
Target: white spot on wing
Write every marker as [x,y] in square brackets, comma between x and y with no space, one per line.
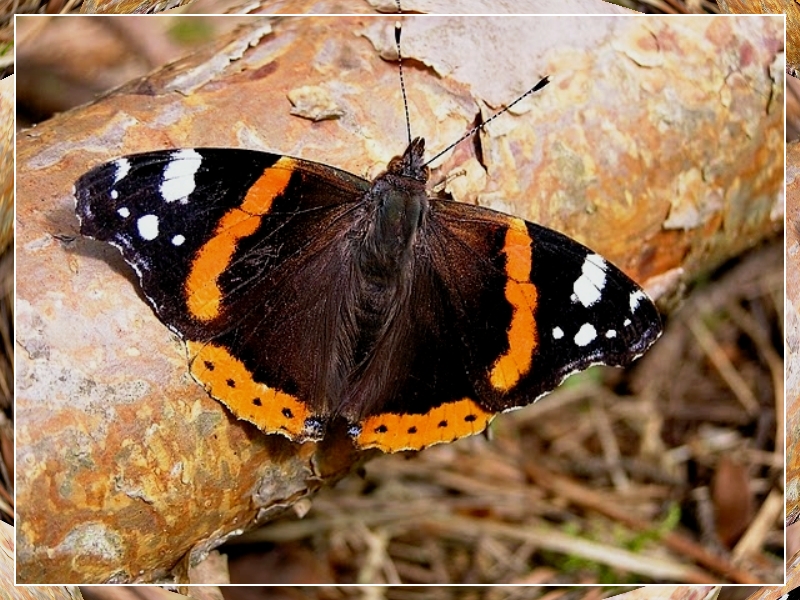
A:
[589,285]
[124,212]
[123,168]
[178,181]
[178,240]
[611,334]
[148,227]
[636,299]
[114,194]
[558,333]
[626,322]
[586,334]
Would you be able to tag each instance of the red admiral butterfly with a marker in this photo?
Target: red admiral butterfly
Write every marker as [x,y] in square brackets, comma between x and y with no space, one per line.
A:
[307,294]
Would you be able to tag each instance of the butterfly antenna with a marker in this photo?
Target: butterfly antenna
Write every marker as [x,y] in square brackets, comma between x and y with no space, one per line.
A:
[542,82]
[397,30]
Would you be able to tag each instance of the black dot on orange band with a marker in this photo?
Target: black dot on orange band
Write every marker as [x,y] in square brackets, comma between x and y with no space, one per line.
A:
[393,432]
[287,412]
[257,401]
[231,383]
[208,365]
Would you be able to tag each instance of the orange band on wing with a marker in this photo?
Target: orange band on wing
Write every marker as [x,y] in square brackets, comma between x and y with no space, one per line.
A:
[203,295]
[509,368]
[446,423]
[226,379]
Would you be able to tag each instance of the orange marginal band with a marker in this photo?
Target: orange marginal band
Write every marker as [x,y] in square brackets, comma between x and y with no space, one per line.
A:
[446,423]
[203,295]
[509,368]
[226,379]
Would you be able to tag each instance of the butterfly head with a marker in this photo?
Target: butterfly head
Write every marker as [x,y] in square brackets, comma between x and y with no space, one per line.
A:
[411,163]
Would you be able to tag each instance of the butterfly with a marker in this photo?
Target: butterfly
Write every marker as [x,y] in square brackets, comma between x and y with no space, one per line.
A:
[306,294]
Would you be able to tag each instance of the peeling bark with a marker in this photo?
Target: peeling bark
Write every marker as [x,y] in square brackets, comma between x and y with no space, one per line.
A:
[304,7]
[776,7]
[659,144]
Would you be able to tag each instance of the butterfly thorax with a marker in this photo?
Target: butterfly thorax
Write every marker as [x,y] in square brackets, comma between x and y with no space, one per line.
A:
[394,209]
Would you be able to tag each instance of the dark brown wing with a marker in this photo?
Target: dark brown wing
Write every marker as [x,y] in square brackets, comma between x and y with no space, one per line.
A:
[502,311]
